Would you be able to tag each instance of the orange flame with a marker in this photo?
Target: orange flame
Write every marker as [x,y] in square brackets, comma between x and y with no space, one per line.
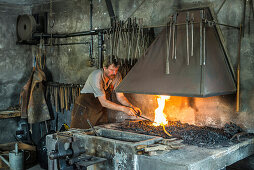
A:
[160,118]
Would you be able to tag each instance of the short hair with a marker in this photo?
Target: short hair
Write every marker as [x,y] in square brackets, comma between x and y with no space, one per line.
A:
[111,59]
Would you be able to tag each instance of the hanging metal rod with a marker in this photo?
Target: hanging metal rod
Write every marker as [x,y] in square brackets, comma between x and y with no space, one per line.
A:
[216,23]
[76,34]
[95,32]
[74,43]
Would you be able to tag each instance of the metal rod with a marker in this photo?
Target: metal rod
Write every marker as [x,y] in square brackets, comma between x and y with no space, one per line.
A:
[75,43]
[179,24]
[192,34]
[138,114]
[5,161]
[100,49]
[204,41]
[134,11]
[187,37]
[91,28]
[226,25]
[238,71]
[220,7]
[90,124]
[76,34]
[173,39]
[201,38]
[204,45]
[95,32]
[110,11]
[243,19]
[168,47]
[175,35]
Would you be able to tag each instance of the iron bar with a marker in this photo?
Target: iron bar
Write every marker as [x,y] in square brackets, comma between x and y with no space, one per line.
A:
[192,34]
[100,49]
[243,19]
[187,37]
[110,11]
[95,32]
[201,36]
[220,7]
[74,43]
[76,34]
[91,28]
[179,24]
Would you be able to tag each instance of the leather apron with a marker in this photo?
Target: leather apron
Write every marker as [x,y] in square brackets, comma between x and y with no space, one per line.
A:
[89,107]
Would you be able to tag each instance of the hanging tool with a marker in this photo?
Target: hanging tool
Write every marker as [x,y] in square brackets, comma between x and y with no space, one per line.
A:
[238,71]
[201,36]
[187,37]
[251,10]
[137,41]
[129,38]
[175,35]
[173,39]
[90,124]
[168,41]
[192,34]
[204,40]
[243,20]
[56,98]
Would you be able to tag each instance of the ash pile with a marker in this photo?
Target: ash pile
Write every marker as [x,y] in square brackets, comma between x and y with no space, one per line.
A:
[205,136]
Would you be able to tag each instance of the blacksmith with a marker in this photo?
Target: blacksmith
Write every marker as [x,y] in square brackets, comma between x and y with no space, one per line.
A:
[95,97]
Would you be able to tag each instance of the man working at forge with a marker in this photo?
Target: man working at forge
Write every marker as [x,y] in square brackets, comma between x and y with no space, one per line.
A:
[95,97]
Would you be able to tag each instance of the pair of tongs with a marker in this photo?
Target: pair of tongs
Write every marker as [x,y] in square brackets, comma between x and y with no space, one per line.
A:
[138,115]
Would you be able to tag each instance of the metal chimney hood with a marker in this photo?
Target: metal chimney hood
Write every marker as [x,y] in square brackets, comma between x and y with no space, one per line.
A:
[208,74]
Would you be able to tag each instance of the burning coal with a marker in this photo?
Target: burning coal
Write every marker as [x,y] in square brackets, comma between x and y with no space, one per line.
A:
[190,134]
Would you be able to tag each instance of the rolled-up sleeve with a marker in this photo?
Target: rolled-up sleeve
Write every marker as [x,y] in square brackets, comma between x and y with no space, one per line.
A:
[94,84]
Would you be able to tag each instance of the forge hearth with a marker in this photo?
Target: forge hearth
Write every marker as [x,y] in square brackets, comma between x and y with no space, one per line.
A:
[119,148]
[190,134]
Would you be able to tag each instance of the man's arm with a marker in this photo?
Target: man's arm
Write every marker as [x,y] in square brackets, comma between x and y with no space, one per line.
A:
[124,101]
[111,105]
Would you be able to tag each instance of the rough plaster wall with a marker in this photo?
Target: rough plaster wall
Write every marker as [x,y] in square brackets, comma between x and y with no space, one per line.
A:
[16,61]
[69,64]
[15,67]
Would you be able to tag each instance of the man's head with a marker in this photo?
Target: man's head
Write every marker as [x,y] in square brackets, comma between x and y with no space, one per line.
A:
[111,66]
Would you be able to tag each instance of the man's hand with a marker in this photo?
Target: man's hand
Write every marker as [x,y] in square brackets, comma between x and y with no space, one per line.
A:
[137,110]
[129,111]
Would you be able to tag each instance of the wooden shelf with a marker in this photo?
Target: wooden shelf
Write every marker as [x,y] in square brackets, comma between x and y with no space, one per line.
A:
[9,113]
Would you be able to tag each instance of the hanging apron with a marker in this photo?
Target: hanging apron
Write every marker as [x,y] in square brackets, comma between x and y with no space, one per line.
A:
[89,107]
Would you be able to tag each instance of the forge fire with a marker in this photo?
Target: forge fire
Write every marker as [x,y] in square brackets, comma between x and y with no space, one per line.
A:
[202,136]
